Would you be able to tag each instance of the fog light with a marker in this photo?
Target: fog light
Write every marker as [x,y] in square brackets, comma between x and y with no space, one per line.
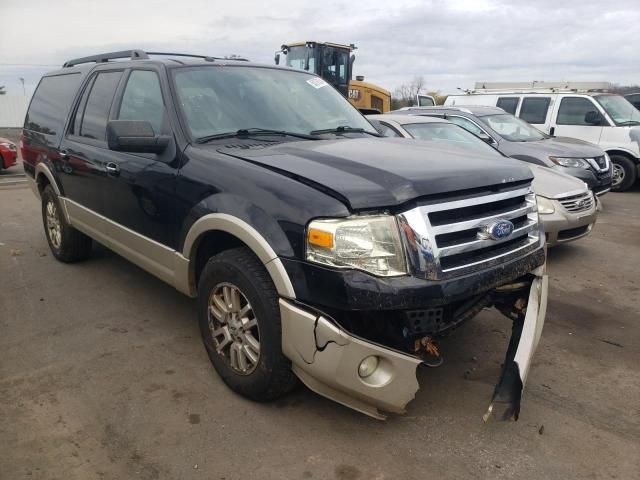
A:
[368,366]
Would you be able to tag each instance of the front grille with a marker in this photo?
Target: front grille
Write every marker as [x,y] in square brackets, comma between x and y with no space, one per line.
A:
[599,164]
[578,203]
[602,163]
[445,239]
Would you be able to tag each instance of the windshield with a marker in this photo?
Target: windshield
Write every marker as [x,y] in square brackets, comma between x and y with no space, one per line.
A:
[512,128]
[297,57]
[217,100]
[451,135]
[621,111]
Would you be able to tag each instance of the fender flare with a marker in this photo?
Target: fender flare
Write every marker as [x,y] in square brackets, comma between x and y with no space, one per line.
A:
[232,225]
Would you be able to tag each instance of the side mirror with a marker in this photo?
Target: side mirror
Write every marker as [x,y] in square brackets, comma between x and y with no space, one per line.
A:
[594,117]
[277,59]
[135,136]
[486,138]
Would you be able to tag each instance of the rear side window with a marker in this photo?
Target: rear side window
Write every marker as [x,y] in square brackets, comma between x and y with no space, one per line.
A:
[508,104]
[50,104]
[384,129]
[95,112]
[534,110]
[572,111]
[142,99]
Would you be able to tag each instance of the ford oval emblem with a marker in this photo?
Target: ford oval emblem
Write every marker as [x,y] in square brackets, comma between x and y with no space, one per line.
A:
[498,230]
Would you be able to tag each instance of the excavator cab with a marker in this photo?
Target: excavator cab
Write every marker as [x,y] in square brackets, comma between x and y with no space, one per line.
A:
[332,61]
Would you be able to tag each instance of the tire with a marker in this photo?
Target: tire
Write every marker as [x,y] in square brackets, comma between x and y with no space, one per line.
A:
[625,167]
[269,376]
[66,243]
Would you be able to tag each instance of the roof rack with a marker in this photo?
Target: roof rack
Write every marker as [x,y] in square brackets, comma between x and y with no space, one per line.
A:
[139,55]
[539,87]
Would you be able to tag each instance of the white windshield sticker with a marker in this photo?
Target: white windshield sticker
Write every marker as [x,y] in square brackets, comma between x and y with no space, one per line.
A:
[317,82]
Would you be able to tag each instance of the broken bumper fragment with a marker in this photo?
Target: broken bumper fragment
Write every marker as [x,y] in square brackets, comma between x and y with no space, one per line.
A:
[373,379]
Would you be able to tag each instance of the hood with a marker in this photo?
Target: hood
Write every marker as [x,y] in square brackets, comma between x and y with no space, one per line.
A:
[6,140]
[552,184]
[381,172]
[557,147]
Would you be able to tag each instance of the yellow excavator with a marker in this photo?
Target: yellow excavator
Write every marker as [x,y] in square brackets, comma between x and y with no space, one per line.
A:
[334,63]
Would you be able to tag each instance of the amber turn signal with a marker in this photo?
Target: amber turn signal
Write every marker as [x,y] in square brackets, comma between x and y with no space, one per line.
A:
[320,238]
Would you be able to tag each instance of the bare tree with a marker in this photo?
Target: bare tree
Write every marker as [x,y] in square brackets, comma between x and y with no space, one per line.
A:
[405,94]
[2,90]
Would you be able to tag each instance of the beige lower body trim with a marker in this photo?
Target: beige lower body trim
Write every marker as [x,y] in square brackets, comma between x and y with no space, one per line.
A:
[157,259]
[326,359]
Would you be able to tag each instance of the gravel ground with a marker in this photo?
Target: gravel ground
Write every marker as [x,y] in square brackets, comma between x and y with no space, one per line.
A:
[102,375]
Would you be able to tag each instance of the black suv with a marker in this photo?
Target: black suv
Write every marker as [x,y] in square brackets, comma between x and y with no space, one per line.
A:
[316,249]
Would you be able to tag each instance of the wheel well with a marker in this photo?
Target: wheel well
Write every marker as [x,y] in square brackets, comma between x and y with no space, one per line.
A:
[210,244]
[624,154]
[42,181]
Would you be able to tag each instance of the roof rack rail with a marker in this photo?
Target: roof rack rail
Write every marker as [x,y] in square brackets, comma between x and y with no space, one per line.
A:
[105,57]
[141,55]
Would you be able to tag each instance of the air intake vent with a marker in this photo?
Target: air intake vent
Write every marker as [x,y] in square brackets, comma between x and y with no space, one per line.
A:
[578,203]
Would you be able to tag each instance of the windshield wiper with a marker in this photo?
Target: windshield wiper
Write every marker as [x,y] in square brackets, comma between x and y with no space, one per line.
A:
[343,129]
[629,122]
[247,132]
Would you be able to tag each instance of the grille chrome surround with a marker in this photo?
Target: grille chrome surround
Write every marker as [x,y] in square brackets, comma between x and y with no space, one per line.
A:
[577,203]
[441,239]
[600,164]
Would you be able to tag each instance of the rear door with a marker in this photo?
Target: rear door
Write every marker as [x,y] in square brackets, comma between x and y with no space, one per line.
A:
[83,151]
[140,192]
[569,118]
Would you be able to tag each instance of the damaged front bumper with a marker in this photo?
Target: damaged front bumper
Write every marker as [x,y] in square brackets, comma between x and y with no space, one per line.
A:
[328,359]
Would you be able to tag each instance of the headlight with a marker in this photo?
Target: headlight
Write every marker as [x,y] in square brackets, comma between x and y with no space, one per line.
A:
[371,244]
[545,206]
[570,162]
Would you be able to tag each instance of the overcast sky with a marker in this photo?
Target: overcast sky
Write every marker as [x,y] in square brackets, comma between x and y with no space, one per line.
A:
[450,43]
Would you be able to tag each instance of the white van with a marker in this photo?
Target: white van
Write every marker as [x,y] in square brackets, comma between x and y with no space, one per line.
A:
[607,120]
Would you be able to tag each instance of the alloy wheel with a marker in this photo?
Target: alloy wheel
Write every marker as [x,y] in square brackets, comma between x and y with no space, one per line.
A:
[618,175]
[234,328]
[54,230]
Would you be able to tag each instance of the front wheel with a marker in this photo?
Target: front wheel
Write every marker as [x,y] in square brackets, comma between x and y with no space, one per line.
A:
[239,319]
[624,173]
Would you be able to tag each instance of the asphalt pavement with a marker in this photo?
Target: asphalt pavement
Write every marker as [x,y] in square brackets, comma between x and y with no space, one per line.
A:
[103,376]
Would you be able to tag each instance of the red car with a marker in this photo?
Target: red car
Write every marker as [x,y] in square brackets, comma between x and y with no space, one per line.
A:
[8,153]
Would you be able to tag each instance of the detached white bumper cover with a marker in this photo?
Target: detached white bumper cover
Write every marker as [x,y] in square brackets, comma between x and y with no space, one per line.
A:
[524,341]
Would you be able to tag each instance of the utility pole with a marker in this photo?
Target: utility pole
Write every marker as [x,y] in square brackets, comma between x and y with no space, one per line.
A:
[24,92]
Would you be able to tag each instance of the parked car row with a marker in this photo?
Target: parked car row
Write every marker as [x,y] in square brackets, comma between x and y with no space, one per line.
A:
[568,209]
[607,120]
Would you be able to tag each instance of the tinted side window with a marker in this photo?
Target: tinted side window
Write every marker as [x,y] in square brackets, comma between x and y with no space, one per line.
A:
[468,125]
[142,99]
[573,110]
[96,111]
[508,104]
[534,110]
[50,104]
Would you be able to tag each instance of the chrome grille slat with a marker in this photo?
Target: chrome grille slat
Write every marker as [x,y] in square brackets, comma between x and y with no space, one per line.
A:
[468,202]
[446,238]
[475,223]
[477,244]
[578,203]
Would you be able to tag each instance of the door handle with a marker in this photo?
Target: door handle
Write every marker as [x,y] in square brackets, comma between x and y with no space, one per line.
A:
[64,155]
[112,169]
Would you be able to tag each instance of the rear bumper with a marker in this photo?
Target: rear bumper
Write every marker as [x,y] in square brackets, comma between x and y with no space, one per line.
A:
[563,226]
[326,358]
